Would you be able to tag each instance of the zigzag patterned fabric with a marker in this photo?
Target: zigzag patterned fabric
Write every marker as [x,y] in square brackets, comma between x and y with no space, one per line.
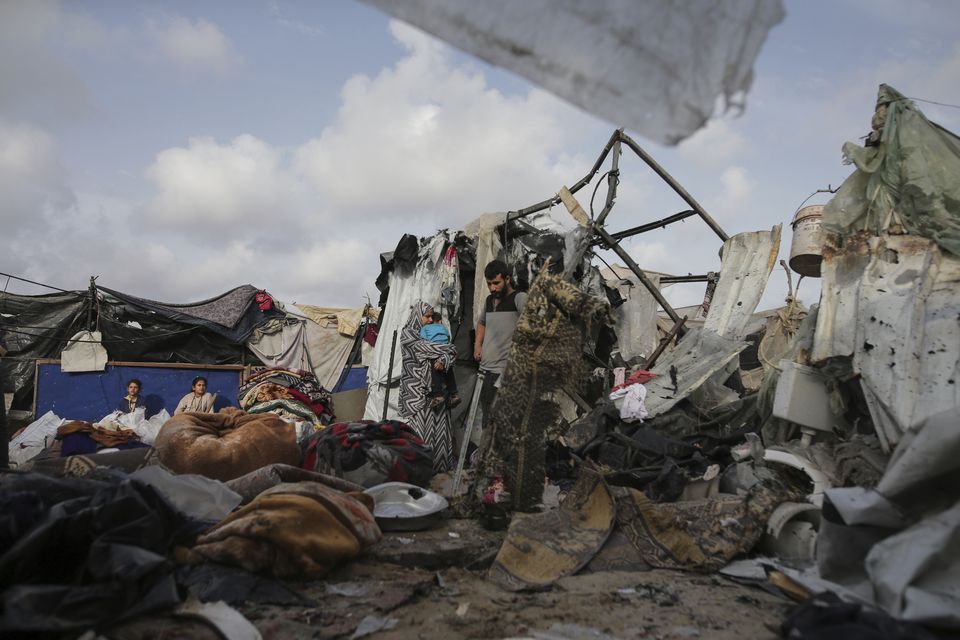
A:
[431,423]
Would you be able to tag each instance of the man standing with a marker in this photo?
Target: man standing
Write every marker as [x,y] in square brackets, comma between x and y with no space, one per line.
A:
[495,329]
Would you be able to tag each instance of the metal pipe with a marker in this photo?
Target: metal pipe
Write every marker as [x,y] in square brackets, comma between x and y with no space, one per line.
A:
[386,393]
[651,226]
[585,180]
[637,271]
[660,171]
[677,326]
[613,179]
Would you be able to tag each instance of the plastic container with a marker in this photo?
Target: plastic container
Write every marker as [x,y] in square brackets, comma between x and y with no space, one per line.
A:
[806,249]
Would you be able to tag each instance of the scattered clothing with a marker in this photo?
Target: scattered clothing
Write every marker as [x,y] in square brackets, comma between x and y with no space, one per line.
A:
[632,408]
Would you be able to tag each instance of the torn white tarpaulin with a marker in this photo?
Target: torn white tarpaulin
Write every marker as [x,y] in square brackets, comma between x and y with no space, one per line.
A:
[892,303]
[698,356]
[746,263]
[281,342]
[636,319]
[34,438]
[84,352]
[657,67]
[899,545]
[488,245]
[424,283]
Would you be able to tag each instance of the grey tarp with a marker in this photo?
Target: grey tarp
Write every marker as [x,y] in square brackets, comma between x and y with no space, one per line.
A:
[232,315]
[656,67]
[899,545]
[908,179]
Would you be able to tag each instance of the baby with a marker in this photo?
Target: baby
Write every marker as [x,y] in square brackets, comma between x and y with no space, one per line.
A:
[442,383]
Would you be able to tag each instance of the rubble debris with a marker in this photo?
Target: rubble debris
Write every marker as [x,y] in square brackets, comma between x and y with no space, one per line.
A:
[579,528]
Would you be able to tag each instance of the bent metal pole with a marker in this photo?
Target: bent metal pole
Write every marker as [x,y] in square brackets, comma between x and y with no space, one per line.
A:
[386,392]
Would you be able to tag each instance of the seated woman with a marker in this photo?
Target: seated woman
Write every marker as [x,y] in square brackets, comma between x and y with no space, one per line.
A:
[198,400]
[133,400]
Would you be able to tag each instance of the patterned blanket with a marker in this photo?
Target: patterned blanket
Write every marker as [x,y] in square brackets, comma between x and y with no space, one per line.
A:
[370,453]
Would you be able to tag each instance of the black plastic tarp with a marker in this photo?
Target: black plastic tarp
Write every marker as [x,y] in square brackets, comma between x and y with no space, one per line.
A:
[84,553]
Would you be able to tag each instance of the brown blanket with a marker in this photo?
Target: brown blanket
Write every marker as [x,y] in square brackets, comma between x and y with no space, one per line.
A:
[226,445]
[103,437]
[296,531]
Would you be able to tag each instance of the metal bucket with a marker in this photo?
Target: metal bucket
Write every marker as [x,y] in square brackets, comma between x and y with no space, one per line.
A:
[806,249]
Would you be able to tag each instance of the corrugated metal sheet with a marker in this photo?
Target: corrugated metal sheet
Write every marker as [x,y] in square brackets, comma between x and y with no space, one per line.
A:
[697,357]
[748,259]
[893,303]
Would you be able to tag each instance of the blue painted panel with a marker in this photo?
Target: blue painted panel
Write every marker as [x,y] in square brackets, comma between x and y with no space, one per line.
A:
[91,395]
[354,378]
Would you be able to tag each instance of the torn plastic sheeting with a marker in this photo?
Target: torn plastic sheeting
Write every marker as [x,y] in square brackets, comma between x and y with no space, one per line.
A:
[196,496]
[636,318]
[891,303]
[914,573]
[93,559]
[423,284]
[897,544]
[697,357]
[224,618]
[748,258]
[908,179]
[656,67]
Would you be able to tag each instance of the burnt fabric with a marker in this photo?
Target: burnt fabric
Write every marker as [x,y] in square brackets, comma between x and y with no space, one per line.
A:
[431,421]
[84,553]
[578,530]
[697,535]
[297,531]
[225,445]
[544,357]
[370,453]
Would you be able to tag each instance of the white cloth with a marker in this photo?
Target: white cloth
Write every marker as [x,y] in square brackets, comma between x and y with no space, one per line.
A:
[88,355]
[34,438]
[632,407]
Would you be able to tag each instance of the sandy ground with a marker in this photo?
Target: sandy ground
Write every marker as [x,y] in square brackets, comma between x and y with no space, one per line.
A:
[393,601]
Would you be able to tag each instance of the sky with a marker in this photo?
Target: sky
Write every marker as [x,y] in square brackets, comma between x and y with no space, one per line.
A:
[176,150]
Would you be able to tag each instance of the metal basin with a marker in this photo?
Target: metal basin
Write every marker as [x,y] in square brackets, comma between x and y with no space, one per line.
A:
[405,507]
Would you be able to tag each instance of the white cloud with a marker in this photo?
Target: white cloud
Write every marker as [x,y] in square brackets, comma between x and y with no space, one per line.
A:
[208,186]
[197,45]
[429,138]
[716,145]
[33,182]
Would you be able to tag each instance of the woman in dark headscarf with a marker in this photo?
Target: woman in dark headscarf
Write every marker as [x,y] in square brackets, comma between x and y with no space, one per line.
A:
[430,420]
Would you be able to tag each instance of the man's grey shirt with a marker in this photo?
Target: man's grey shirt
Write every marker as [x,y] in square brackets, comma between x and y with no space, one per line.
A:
[499,324]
